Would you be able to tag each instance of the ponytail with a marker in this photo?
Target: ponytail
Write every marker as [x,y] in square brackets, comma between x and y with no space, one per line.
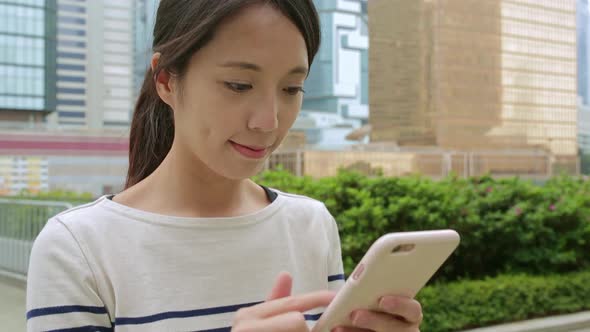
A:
[152,132]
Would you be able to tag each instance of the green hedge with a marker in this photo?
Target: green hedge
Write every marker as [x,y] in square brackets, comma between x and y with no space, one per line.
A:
[462,305]
[507,225]
[69,196]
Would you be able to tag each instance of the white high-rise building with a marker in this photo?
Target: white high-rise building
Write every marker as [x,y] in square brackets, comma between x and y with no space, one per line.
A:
[114,39]
[94,64]
[72,58]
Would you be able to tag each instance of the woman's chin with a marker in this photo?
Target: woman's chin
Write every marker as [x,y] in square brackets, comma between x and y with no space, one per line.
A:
[242,172]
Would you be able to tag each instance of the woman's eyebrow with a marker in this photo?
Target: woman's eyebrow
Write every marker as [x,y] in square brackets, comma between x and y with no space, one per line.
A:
[257,68]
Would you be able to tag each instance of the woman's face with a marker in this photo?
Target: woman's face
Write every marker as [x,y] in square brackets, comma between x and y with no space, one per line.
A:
[241,93]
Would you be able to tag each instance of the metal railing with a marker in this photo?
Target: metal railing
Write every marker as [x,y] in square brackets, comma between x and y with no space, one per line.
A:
[20,223]
[431,163]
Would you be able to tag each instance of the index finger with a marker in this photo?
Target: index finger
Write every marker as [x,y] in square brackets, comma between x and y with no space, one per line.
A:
[300,303]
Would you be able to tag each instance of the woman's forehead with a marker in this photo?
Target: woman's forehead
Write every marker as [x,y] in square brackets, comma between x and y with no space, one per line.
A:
[257,35]
[259,26]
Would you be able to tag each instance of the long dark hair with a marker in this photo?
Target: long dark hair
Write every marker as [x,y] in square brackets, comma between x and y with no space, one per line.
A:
[182,28]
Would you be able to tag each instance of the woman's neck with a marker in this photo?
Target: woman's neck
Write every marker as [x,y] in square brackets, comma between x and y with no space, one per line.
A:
[185,187]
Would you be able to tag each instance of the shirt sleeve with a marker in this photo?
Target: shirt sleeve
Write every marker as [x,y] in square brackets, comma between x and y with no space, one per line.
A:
[61,288]
[335,267]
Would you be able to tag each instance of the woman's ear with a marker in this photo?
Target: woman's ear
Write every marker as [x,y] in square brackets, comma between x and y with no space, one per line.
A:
[165,84]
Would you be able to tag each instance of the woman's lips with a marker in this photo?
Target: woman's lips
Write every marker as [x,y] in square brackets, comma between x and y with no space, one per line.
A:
[249,151]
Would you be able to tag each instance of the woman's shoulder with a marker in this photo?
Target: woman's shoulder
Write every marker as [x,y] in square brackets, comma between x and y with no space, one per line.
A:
[300,200]
[89,216]
[308,215]
[81,212]
[60,235]
[304,204]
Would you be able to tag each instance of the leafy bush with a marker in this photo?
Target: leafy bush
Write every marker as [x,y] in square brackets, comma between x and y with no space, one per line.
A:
[55,195]
[468,304]
[506,225]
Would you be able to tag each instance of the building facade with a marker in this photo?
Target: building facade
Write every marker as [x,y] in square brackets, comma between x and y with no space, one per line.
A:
[336,97]
[143,26]
[470,75]
[27,61]
[583,27]
[95,64]
[72,64]
[36,161]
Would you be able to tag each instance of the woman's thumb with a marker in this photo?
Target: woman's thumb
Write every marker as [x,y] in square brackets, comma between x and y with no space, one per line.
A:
[281,287]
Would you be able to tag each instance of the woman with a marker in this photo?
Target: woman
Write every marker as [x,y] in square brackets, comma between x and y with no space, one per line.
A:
[192,243]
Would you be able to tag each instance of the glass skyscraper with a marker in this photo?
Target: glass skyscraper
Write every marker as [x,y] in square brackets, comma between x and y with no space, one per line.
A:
[27,59]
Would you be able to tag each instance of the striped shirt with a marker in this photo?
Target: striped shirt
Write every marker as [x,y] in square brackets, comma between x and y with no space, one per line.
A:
[104,266]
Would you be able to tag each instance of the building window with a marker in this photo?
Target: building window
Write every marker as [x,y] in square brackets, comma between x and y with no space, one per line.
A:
[71,32]
[71,79]
[72,114]
[71,43]
[63,102]
[70,55]
[72,20]
[72,9]
[72,91]
[71,67]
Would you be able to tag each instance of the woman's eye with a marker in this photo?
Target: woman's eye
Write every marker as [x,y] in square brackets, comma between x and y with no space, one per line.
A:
[238,87]
[294,90]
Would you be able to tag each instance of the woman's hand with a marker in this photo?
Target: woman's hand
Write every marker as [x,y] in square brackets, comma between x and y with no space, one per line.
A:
[398,314]
[281,312]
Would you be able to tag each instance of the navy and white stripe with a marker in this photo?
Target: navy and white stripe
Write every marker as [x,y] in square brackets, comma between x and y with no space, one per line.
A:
[65,310]
[180,314]
[336,277]
[120,321]
[88,328]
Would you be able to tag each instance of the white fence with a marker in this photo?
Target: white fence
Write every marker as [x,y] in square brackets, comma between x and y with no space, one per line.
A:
[20,223]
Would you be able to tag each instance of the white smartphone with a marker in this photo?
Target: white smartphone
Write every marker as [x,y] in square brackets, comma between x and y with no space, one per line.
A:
[396,264]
